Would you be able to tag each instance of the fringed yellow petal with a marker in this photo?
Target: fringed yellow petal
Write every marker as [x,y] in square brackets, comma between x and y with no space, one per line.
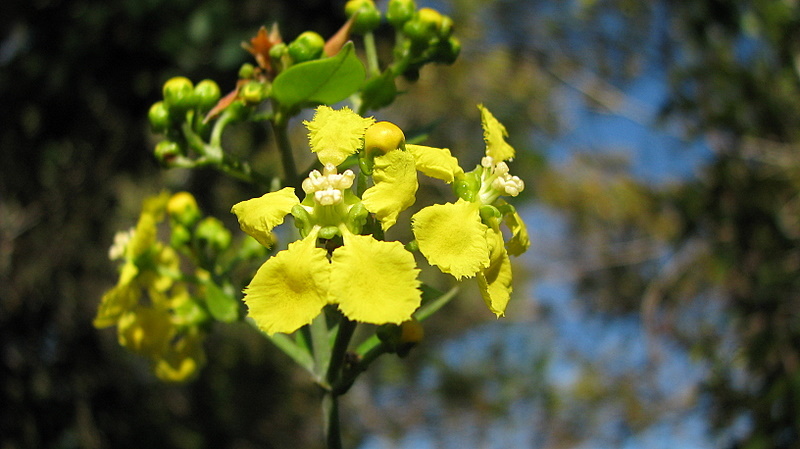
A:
[494,133]
[115,303]
[519,241]
[495,281]
[145,330]
[258,216]
[289,289]
[374,281]
[395,186]
[452,237]
[334,135]
[183,359]
[144,236]
[435,162]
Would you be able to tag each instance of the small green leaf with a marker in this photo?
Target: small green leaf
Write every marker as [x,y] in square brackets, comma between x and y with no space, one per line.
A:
[323,81]
[223,307]
[379,91]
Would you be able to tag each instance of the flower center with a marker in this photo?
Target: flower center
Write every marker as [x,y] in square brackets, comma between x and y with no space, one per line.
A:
[328,187]
[497,181]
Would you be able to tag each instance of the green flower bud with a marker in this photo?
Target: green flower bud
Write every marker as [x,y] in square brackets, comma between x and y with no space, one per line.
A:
[239,110]
[400,12]
[424,27]
[158,115]
[277,51]
[179,94]
[308,46]
[368,15]
[167,150]
[247,70]
[182,209]
[212,233]
[445,27]
[254,92]
[180,236]
[447,51]
[206,94]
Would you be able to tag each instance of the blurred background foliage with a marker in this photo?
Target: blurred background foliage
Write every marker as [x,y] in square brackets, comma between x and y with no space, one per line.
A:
[706,263]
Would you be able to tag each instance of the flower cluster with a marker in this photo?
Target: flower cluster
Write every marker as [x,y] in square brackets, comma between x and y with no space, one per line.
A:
[154,312]
[341,258]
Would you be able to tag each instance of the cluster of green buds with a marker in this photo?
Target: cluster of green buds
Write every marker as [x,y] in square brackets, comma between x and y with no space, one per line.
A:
[183,105]
[422,36]
[427,36]
[161,312]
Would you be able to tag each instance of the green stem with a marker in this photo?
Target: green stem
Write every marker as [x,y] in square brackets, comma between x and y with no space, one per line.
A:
[280,125]
[373,66]
[320,342]
[330,415]
[343,336]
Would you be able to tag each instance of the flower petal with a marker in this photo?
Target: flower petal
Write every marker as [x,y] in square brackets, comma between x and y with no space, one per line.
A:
[145,330]
[494,133]
[495,281]
[334,135]
[452,237]
[289,289]
[435,162]
[395,186]
[183,358]
[374,281]
[258,216]
[115,303]
[519,241]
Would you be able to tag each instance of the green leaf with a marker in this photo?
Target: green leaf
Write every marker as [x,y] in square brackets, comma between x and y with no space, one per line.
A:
[223,307]
[323,81]
[379,92]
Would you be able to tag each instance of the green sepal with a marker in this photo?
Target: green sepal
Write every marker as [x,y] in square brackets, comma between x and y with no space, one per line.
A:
[467,187]
[357,218]
[302,220]
[223,307]
[328,232]
[489,214]
[323,81]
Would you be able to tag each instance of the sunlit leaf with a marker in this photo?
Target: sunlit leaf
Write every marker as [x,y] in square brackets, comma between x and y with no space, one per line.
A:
[323,81]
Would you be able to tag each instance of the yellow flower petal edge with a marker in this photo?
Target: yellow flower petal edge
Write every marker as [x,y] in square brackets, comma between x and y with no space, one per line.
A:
[435,162]
[374,281]
[452,237]
[115,303]
[494,133]
[290,289]
[183,358]
[335,134]
[519,241]
[395,186]
[495,281]
[258,216]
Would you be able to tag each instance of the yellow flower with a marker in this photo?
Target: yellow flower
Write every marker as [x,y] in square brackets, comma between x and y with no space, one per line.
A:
[151,328]
[142,253]
[371,281]
[464,238]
